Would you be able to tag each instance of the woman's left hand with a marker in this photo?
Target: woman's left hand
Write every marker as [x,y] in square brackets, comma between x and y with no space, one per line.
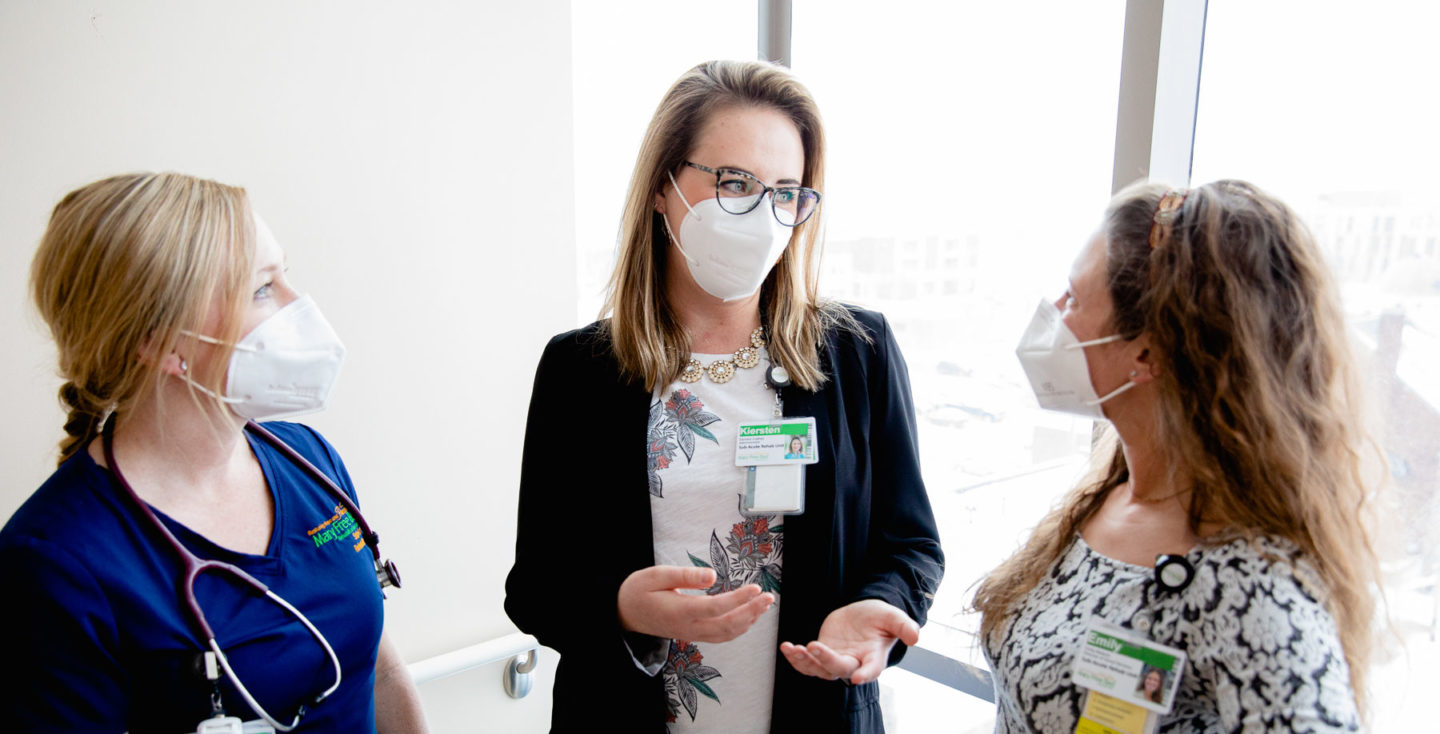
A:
[854,642]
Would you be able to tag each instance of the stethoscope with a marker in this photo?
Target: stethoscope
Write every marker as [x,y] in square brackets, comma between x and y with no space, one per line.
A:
[385,573]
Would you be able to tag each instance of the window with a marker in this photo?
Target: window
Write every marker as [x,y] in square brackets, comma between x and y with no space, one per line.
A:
[969,159]
[1336,127]
[625,56]
[970,155]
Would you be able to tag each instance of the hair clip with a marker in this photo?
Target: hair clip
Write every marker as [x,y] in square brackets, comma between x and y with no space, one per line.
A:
[1164,218]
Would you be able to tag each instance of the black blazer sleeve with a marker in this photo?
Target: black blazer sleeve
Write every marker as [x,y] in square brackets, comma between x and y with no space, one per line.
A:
[904,563]
[583,527]
[554,590]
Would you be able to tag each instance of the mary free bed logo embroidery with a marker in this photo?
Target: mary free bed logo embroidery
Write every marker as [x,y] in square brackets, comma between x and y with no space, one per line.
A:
[340,525]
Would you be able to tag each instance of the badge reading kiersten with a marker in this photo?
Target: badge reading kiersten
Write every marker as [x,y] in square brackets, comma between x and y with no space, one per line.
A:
[775,454]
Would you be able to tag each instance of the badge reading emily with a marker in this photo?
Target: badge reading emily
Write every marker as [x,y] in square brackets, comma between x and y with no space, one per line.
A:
[1131,680]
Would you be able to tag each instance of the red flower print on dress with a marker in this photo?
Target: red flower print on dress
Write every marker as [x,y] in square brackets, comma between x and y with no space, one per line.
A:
[659,447]
[689,417]
[674,424]
[685,680]
[750,555]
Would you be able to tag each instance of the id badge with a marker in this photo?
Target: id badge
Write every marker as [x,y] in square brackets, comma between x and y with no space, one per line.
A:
[1131,680]
[232,725]
[774,454]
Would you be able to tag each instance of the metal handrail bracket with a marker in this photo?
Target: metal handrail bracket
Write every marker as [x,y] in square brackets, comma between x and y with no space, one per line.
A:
[518,677]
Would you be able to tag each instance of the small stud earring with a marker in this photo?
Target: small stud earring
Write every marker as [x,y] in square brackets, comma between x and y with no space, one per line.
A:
[186,368]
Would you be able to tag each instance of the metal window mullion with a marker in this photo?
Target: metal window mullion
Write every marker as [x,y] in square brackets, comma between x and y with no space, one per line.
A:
[1159,91]
[773,31]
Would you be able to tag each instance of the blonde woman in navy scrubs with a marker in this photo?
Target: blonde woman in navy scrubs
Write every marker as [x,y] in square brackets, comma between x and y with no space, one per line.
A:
[175,324]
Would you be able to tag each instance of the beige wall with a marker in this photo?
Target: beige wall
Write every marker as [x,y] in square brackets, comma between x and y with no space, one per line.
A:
[415,161]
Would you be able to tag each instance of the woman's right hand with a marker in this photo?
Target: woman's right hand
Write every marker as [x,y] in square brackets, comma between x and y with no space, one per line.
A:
[650,602]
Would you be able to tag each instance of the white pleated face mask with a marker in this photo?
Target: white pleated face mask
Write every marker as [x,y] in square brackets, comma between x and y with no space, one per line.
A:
[729,254]
[1054,361]
[286,366]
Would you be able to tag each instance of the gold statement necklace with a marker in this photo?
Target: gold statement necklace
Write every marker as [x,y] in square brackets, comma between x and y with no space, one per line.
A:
[722,370]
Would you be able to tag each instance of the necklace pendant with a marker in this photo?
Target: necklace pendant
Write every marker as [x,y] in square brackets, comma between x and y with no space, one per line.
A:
[747,357]
[721,371]
[692,371]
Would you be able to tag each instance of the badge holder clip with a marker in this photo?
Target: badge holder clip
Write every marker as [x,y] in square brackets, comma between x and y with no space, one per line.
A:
[219,723]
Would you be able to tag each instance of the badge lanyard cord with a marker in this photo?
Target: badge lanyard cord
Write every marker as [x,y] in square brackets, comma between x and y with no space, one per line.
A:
[194,566]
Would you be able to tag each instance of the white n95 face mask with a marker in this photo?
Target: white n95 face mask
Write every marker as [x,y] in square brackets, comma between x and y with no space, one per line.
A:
[729,254]
[1054,362]
[286,366]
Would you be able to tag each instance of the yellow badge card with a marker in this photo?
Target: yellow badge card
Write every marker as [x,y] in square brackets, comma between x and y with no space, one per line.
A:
[1106,715]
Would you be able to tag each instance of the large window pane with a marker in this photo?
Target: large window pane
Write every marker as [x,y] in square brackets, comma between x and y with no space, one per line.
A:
[1329,106]
[626,55]
[970,155]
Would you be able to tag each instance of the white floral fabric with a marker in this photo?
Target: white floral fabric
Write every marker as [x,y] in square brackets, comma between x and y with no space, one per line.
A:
[695,492]
[1263,653]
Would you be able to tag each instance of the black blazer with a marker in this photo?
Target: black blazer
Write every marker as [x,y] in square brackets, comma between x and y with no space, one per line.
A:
[584,526]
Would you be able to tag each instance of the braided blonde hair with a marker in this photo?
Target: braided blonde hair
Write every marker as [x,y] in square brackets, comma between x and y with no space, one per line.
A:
[125,265]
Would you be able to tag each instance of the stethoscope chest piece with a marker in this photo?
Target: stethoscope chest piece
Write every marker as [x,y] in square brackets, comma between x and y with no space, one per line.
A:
[387,574]
[1172,572]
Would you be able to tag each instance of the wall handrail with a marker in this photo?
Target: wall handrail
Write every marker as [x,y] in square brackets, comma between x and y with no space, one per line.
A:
[948,671]
[466,658]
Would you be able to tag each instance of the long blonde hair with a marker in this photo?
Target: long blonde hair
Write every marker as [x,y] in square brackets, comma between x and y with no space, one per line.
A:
[648,341]
[1256,396]
[125,265]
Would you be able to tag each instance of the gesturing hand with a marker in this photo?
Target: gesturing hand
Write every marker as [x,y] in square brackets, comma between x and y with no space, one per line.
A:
[854,643]
[650,602]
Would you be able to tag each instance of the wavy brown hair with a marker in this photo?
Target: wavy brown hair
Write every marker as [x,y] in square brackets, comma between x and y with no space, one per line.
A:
[650,344]
[1256,397]
[125,265]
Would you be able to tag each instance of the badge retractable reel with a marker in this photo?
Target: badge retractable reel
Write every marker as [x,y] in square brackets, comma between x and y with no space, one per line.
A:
[1173,573]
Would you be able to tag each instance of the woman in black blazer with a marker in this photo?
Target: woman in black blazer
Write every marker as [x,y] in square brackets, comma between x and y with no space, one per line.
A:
[666,580]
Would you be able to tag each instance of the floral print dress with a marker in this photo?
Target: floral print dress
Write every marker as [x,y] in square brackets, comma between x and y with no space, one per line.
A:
[1263,654]
[695,491]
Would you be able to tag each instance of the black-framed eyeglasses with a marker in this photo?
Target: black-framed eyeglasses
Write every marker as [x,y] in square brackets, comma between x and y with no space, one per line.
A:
[739,193]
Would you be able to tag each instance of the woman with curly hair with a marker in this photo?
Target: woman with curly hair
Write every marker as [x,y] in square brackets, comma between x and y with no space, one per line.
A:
[1204,326]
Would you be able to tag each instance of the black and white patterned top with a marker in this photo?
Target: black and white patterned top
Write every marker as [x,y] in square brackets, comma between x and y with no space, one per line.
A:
[1263,653]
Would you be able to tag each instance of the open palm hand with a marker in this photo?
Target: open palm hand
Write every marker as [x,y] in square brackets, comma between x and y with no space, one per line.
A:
[854,642]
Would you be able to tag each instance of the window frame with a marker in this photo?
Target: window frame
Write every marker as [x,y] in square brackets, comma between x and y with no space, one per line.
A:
[1154,138]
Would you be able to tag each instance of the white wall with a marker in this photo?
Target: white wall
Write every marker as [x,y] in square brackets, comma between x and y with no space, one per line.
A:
[415,161]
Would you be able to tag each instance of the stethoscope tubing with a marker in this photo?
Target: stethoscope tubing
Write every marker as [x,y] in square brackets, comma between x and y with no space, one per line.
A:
[372,540]
[193,566]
